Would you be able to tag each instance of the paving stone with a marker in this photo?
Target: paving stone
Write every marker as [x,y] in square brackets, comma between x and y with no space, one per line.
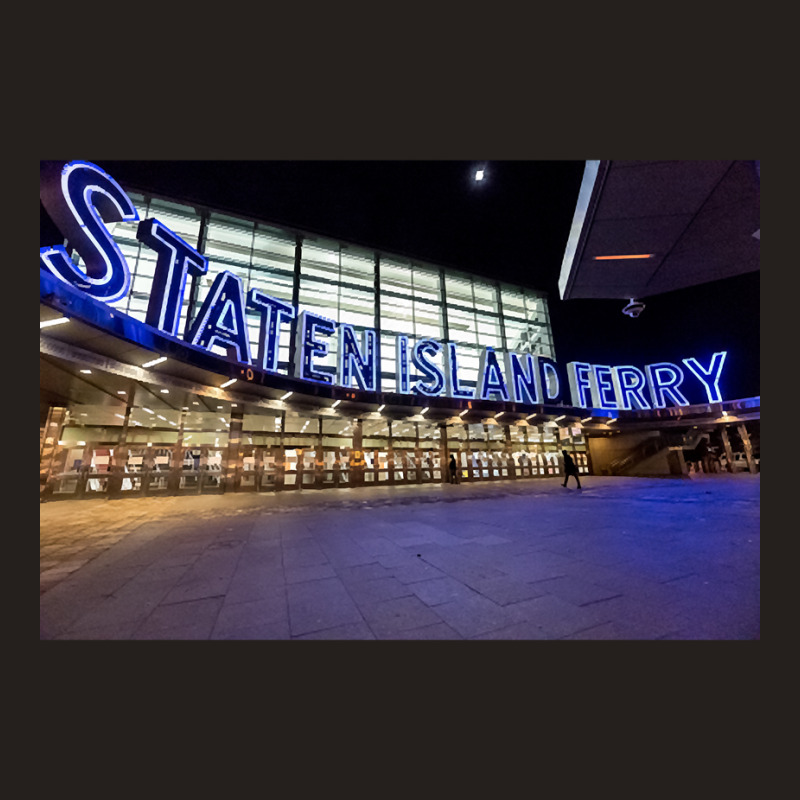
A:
[388,617]
[312,573]
[194,619]
[504,590]
[438,632]
[377,589]
[417,570]
[320,605]
[362,572]
[473,616]
[351,631]
[575,590]
[435,591]
[269,611]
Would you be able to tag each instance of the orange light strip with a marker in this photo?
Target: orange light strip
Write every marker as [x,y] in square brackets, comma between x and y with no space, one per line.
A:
[621,258]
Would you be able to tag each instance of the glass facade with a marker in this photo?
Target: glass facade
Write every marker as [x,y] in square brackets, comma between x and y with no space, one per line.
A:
[341,282]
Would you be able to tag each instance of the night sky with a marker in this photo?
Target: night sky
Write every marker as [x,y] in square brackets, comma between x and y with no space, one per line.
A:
[512,227]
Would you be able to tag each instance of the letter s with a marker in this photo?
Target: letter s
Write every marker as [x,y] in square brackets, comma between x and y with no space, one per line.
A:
[79,197]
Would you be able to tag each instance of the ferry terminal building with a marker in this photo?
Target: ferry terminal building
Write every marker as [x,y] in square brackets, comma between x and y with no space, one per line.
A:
[237,355]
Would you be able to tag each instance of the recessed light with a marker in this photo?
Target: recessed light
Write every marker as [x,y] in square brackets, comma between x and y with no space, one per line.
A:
[48,323]
[86,371]
[165,391]
[287,395]
[623,258]
[227,383]
[121,391]
[155,361]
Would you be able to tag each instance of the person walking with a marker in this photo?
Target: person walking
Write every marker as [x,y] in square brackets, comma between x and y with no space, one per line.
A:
[453,469]
[570,469]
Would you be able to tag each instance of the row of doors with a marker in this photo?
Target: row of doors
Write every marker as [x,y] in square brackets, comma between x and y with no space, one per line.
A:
[100,470]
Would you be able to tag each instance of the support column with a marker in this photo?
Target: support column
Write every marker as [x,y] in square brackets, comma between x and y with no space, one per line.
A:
[357,456]
[176,468]
[748,448]
[444,453]
[726,444]
[120,457]
[56,418]
[231,466]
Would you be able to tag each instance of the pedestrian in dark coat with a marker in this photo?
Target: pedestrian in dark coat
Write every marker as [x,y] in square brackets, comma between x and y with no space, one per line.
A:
[570,469]
[453,469]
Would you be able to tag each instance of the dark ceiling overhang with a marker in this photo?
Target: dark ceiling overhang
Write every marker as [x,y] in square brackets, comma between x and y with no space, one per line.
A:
[697,221]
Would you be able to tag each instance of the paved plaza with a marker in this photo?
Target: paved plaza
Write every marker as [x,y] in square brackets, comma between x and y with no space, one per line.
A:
[621,559]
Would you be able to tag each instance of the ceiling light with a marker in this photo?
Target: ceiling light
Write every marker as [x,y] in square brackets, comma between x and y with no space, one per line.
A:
[336,404]
[623,258]
[465,411]
[479,174]
[423,411]
[155,361]
[48,323]
[380,408]
[160,417]
[121,416]
[531,415]
[563,416]
[148,410]
[585,419]
[227,383]
[287,395]
[86,371]
[121,391]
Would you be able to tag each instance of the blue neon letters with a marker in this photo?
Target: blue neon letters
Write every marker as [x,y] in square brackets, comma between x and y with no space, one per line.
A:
[81,198]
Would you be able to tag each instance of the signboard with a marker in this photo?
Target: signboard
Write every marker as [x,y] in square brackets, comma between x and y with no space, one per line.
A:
[81,199]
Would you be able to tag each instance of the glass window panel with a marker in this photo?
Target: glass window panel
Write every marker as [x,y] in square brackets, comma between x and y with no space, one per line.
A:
[400,428]
[458,290]
[395,277]
[461,326]
[266,423]
[358,268]
[301,424]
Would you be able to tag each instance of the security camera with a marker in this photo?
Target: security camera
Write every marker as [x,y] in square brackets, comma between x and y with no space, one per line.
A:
[633,309]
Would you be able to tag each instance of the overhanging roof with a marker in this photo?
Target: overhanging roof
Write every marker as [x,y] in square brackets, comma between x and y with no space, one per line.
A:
[697,221]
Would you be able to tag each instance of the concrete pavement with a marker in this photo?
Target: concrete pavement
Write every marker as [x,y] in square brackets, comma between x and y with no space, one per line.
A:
[625,558]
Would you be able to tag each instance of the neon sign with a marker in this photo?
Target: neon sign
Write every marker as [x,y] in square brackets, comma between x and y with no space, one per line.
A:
[81,199]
